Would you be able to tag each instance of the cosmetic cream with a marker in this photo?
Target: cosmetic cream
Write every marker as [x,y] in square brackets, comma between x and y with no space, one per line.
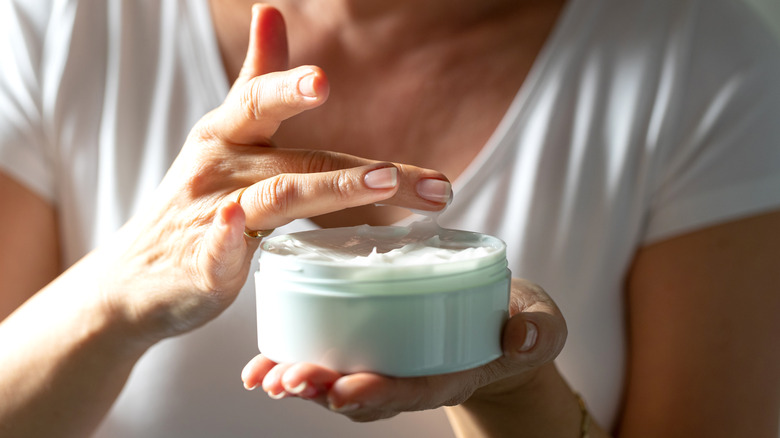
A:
[402,301]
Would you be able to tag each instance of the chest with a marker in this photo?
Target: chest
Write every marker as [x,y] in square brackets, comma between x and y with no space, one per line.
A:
[414,117]
[411,117]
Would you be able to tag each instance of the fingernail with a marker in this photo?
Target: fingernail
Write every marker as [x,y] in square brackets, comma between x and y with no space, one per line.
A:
[278,396]
[249,388]
[302,390]
[296,389]
[306,85]
[435,190]
[349,407]
[531,333]
[384,178]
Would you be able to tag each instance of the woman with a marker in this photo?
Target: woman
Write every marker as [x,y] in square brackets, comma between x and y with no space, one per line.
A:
[633,151]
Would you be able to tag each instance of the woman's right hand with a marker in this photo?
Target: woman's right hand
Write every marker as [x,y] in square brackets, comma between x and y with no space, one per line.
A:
[183,259]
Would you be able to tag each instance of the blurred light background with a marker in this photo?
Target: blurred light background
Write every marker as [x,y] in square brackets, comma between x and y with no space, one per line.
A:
[770,10]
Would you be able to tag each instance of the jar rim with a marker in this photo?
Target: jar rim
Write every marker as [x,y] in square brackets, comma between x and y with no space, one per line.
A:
[277,257]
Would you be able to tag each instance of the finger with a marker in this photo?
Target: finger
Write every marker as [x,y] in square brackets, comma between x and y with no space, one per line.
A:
[534,336]
[272,382]
[263,95]
[267,51]
[419,188]
[309,186]
[224,258]
[255,371]
[360,397]
[278,200]
[536,332]
[421,192]
[253,111]
[370,397]
[308,380]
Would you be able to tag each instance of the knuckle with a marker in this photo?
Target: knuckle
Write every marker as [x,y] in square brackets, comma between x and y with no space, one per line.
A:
[277,195]
[315,161]
[267,97]
[250,98]
[202,131]
[342,185]
[205,132]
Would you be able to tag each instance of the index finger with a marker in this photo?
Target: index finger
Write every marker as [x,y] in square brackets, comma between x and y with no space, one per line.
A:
[252,113]
[263,95]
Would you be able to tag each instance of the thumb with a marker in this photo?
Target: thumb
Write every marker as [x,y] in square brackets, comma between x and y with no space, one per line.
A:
[226,255]
[532,339]
[267,51]
[536,332]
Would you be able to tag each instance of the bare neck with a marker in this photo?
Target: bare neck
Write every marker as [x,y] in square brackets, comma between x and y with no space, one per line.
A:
[409,83]
[381,26]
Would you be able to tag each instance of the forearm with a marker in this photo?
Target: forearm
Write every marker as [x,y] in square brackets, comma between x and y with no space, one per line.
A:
[546,407]
[64,358]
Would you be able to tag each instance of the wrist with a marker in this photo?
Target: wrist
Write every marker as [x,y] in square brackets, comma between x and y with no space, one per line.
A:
[110,319]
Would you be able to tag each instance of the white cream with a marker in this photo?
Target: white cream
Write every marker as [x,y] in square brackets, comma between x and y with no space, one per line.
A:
[418,244]
[400,301]
[420,253]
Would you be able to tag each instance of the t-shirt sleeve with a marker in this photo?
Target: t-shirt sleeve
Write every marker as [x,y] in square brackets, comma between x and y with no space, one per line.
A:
[24,151]
[723,161]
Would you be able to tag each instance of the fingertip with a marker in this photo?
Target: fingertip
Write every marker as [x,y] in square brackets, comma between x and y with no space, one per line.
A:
[253,372]
[267,50]
[382,178]
[297,383]
[531,333]
[435,190]
[250,384]
[519,336]
[313,84]
[224,249]
[231,220]
[272,381]
[533,338]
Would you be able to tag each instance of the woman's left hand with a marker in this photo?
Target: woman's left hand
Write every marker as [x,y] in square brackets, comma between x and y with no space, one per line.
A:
[533,336]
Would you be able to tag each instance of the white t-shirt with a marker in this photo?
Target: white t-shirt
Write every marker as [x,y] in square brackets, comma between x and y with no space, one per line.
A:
[640,120]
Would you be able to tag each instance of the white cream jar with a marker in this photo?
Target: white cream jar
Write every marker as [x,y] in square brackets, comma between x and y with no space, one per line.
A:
[401,301]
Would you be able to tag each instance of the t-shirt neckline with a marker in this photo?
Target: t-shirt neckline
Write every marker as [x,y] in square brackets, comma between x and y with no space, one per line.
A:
[498,141]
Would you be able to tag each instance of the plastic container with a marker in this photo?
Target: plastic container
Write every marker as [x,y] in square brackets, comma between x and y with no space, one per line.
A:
[381,299]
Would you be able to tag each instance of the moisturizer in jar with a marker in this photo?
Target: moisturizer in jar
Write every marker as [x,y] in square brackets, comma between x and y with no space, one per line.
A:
[400,301]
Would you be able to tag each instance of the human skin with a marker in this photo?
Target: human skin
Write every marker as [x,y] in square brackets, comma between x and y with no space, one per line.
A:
[180,262]
[719,282]
[687,351]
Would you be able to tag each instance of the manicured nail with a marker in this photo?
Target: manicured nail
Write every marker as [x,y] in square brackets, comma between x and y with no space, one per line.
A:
[278,396]
[306,85]
[531,334]
[435,190]
[384,178]
[249,388]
